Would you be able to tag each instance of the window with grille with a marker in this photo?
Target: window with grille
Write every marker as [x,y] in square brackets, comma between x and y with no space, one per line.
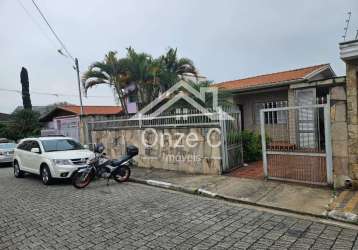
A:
[132,97]
[272,117]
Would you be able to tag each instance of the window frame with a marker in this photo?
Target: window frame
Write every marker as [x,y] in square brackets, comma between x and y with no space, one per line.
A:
[36,146]
[132,97]
[43,142]
[24,145]
[279,117]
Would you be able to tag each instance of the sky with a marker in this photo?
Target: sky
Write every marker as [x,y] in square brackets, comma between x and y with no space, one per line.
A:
[226,39]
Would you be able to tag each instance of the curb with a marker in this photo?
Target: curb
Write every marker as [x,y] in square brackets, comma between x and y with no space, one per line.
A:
[343,216]
[206,193]
[165,185]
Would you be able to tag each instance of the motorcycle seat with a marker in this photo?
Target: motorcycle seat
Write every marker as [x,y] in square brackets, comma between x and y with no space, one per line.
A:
[120,160]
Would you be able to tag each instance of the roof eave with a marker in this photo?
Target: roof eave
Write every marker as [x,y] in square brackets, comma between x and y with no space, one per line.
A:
[263,86]
[319,70]
[45,117]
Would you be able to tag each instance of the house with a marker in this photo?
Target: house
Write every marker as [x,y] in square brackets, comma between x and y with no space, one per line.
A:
[131,98]
[295,120]
[65,120]
[303,86]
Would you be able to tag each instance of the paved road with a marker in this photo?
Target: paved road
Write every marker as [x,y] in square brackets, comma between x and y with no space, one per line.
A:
[132,216]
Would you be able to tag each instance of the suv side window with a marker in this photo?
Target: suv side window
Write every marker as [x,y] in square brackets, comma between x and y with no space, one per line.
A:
[28,146]
[24,145]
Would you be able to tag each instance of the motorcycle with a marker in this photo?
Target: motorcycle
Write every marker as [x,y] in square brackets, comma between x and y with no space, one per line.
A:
[102,167]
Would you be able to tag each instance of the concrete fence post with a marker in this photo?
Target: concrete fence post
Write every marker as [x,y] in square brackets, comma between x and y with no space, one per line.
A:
[328,140]
[349,54]
[263,142]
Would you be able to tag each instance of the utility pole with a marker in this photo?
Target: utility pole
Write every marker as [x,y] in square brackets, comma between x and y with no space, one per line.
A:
[83,126]
[66,54]
[83,134]
[79,86]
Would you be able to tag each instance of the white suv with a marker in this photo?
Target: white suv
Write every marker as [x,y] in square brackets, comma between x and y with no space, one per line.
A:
[50,157]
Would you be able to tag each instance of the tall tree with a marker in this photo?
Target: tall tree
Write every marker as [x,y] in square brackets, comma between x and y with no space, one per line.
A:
[24,78]
[142,70]
[154,75]
[224,97]
[111,71]
[174,68]
[149,75]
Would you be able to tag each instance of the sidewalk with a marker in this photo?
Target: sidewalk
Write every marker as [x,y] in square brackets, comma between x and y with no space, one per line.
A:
[288,197]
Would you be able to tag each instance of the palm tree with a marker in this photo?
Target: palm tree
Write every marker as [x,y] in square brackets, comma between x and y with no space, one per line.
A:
[149,75]
[224,97]
[174,68]
[111,71]
[142,70]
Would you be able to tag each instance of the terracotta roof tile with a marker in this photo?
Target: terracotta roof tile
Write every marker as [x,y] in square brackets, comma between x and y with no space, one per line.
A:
[260,80]
[94,110]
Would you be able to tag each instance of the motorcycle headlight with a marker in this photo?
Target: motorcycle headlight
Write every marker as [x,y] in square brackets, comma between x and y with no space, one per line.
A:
[62,162]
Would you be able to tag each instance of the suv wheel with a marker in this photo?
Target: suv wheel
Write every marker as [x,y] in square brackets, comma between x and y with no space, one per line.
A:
[46,175]
[17,172]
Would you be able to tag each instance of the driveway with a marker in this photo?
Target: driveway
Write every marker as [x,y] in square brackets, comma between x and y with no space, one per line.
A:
[132,216]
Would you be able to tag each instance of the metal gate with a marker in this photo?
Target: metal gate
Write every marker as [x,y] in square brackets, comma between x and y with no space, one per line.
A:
[232,153]
[296,144]
[68,126]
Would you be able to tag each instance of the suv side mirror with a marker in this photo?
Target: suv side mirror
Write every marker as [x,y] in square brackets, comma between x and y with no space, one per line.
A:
[35,150]
[85,146]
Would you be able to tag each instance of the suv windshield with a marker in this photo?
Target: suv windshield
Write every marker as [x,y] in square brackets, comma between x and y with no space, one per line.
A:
[7,145]
[60,145]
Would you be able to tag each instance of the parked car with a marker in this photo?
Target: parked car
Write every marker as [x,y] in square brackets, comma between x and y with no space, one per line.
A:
[50,157]
[7,152]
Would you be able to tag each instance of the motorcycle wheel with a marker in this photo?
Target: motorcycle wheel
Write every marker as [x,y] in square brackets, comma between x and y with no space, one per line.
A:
[82,179]
[122,175]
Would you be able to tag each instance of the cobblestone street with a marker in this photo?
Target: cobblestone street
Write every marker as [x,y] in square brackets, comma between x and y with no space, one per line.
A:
[135,216]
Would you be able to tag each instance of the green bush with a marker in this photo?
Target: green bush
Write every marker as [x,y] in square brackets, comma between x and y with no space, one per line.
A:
[251,143]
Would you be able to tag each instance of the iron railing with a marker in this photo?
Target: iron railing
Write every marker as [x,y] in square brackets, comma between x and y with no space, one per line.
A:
[179,118]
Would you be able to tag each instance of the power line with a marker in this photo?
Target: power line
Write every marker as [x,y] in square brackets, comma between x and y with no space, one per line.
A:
[36,23]
[52,30]
[33,19]
[49,93]
[67,54]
